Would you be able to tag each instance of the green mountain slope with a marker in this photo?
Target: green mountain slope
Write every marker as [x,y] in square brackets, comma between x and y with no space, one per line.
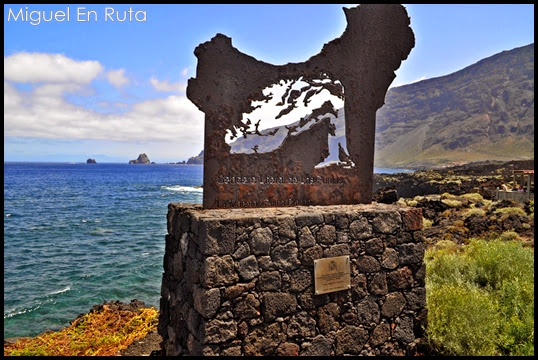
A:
[483,112]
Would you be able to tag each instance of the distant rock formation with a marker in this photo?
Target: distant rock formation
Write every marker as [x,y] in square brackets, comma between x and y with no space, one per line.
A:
[91,161]
[142,159]
[196,160]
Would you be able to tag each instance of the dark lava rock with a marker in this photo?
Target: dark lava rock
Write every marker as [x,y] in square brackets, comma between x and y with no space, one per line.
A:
[477,224]
[503,204]
[386,196]
[142,159]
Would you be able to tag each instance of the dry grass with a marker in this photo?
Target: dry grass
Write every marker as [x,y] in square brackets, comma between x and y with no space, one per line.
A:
[103,333]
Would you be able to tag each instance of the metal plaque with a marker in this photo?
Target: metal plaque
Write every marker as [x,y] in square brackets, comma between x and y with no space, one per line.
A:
[332,274]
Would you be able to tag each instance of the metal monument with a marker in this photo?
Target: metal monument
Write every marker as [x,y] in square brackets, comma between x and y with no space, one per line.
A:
[356,68]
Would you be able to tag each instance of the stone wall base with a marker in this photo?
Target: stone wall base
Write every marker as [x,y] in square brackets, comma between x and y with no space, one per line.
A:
[241,281]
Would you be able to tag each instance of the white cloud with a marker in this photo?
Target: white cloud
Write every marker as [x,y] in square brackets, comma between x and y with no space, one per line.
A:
[26,67]
[44,111]
[12,99]
[117,77]
[167,86]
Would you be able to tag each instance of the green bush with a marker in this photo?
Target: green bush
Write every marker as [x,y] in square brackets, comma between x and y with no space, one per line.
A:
[452,203]
[474,197]
[456,313]
[511,210]
[509,235]
[447,195]
[473,211]
[480,298]
[426,223]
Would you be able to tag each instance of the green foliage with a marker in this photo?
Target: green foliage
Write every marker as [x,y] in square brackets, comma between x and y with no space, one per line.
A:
[474,197]
[473,211]
[446,195]
[452,203]
[426,223]
[456,313]
[511,210]
[411,203]
[509,235]
[480,298]
[102,333]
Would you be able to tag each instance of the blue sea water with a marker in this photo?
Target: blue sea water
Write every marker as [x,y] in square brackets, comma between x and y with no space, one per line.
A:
[76,235]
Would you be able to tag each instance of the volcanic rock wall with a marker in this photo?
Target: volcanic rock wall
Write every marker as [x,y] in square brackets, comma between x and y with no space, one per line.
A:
[241,281]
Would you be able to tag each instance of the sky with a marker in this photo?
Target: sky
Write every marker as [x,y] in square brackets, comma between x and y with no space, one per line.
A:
[109,81]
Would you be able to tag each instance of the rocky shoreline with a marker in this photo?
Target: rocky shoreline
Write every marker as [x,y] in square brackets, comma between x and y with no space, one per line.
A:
[478,177]
[458,203]
[150,345]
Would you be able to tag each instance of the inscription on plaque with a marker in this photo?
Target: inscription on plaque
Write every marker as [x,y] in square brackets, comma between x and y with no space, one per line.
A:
[286,165]
[332,274]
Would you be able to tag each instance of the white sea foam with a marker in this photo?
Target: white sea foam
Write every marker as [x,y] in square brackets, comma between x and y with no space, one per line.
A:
[67,288]
[8,215]
[16,312]
[196,189]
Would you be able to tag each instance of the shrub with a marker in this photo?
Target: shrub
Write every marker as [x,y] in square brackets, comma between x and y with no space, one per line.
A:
[411,203]
[426,223]
[452,203]
[401,202]
[454,316]
[474,197]
[446,195]
[480,298]
[102,333]
[509,235]
[511,210]
[473,211]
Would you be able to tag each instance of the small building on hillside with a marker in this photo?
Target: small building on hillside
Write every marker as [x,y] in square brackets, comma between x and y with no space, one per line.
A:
[520,188]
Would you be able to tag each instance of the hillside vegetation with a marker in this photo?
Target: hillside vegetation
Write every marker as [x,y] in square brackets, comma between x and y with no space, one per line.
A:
[483,112]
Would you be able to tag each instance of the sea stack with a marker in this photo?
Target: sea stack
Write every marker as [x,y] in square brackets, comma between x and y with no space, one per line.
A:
[142,159]
[91,161]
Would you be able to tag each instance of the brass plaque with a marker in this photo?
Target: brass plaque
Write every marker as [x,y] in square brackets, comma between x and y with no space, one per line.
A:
[332,274]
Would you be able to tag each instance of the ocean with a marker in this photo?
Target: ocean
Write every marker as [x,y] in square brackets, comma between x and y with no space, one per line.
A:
[76,235]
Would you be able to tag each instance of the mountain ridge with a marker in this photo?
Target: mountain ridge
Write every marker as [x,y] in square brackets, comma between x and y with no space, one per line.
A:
[482,112]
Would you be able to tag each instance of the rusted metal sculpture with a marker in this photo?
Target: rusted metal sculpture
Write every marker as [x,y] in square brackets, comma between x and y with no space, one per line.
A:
[358,67]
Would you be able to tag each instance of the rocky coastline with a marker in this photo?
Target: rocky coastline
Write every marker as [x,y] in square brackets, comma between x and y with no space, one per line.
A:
[477,177]
[457,204]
